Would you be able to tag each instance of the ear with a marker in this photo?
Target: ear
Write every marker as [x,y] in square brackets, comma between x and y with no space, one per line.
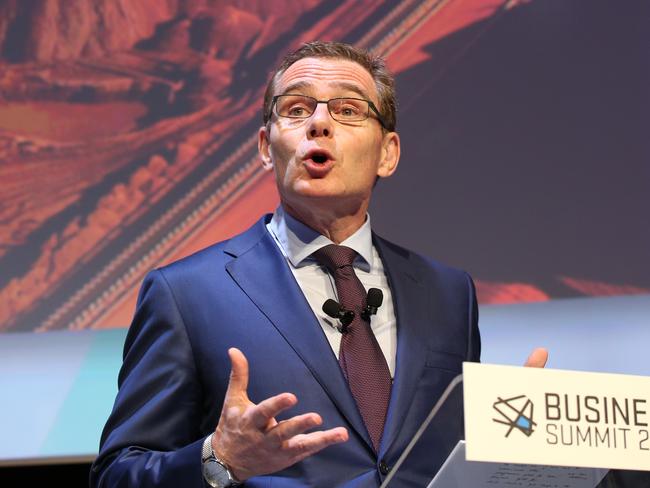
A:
[390,152]
[264,149]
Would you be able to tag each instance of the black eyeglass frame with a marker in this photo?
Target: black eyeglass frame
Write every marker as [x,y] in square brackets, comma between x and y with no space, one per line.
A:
[370,103]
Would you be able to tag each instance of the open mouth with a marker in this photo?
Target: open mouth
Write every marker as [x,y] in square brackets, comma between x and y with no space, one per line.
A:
[318,162]
[319,158]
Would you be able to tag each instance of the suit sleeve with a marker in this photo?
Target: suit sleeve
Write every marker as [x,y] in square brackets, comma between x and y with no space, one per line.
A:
[153,435]
[474,336]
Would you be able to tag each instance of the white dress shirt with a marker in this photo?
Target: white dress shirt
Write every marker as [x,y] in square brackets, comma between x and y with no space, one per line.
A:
[298,242]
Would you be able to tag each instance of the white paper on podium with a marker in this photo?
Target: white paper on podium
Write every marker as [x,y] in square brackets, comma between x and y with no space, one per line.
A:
[457,472]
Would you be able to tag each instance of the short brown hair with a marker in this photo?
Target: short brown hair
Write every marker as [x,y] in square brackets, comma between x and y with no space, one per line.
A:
[376,66]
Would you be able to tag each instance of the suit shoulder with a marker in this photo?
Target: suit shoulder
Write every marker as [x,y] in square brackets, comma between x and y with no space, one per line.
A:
[421,261]
[198,261]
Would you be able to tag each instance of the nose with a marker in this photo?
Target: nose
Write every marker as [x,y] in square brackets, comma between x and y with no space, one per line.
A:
[320,123]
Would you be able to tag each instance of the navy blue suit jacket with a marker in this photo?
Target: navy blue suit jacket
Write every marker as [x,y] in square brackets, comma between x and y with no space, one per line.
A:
[241,293]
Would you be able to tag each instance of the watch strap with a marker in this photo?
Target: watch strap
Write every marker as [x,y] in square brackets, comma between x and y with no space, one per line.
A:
[208,455]
[206,450]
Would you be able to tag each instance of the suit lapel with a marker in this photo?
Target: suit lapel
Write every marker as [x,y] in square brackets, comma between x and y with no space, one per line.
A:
[261,271]
[410,303]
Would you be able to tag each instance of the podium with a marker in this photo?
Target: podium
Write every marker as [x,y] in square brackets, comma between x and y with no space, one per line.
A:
[436,455]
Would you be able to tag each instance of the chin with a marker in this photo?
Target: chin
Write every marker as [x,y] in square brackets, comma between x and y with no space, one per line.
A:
[317,188]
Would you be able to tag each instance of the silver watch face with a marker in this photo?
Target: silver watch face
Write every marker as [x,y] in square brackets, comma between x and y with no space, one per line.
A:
[216,474]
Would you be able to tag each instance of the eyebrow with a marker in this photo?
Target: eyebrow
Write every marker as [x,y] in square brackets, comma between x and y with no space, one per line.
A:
[301,85]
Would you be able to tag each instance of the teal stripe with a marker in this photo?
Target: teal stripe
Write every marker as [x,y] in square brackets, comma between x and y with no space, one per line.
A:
[78,426]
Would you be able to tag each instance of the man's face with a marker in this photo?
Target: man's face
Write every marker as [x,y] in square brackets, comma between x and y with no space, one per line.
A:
[320,162]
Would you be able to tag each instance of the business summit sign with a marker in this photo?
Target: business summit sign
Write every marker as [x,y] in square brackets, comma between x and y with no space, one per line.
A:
[556,417]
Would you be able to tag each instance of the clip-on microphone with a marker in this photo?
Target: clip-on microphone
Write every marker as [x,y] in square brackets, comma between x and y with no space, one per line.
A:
[373,302]
[336,311]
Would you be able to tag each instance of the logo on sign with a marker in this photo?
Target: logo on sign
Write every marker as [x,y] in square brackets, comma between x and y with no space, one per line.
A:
[516,413]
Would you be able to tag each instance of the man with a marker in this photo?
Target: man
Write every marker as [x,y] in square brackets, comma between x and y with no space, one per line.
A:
[323,402]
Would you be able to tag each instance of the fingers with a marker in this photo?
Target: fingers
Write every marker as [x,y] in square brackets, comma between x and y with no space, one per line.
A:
[537,358]
[294,426]
[265,411]
[304,445]
[239,372]
[249,438]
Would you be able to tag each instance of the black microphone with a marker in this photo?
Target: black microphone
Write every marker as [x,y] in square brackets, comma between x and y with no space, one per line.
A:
[373,302]
[336,311]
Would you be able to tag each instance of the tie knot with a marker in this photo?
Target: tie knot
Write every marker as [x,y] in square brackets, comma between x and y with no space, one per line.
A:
[334,257]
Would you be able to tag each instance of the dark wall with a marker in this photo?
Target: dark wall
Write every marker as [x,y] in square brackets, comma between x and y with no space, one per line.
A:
[527,158]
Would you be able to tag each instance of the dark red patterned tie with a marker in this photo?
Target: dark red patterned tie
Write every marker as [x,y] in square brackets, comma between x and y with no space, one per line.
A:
[360,356]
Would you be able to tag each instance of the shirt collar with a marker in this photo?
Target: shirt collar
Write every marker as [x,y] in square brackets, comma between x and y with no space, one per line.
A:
[298,241]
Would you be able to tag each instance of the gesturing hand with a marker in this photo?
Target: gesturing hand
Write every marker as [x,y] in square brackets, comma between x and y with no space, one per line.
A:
[249,439]
[537,358]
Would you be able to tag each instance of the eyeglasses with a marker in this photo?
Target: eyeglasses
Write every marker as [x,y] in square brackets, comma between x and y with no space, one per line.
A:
[341,109]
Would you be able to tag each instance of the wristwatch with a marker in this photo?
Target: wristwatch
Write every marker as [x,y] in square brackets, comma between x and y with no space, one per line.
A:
[215,472]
